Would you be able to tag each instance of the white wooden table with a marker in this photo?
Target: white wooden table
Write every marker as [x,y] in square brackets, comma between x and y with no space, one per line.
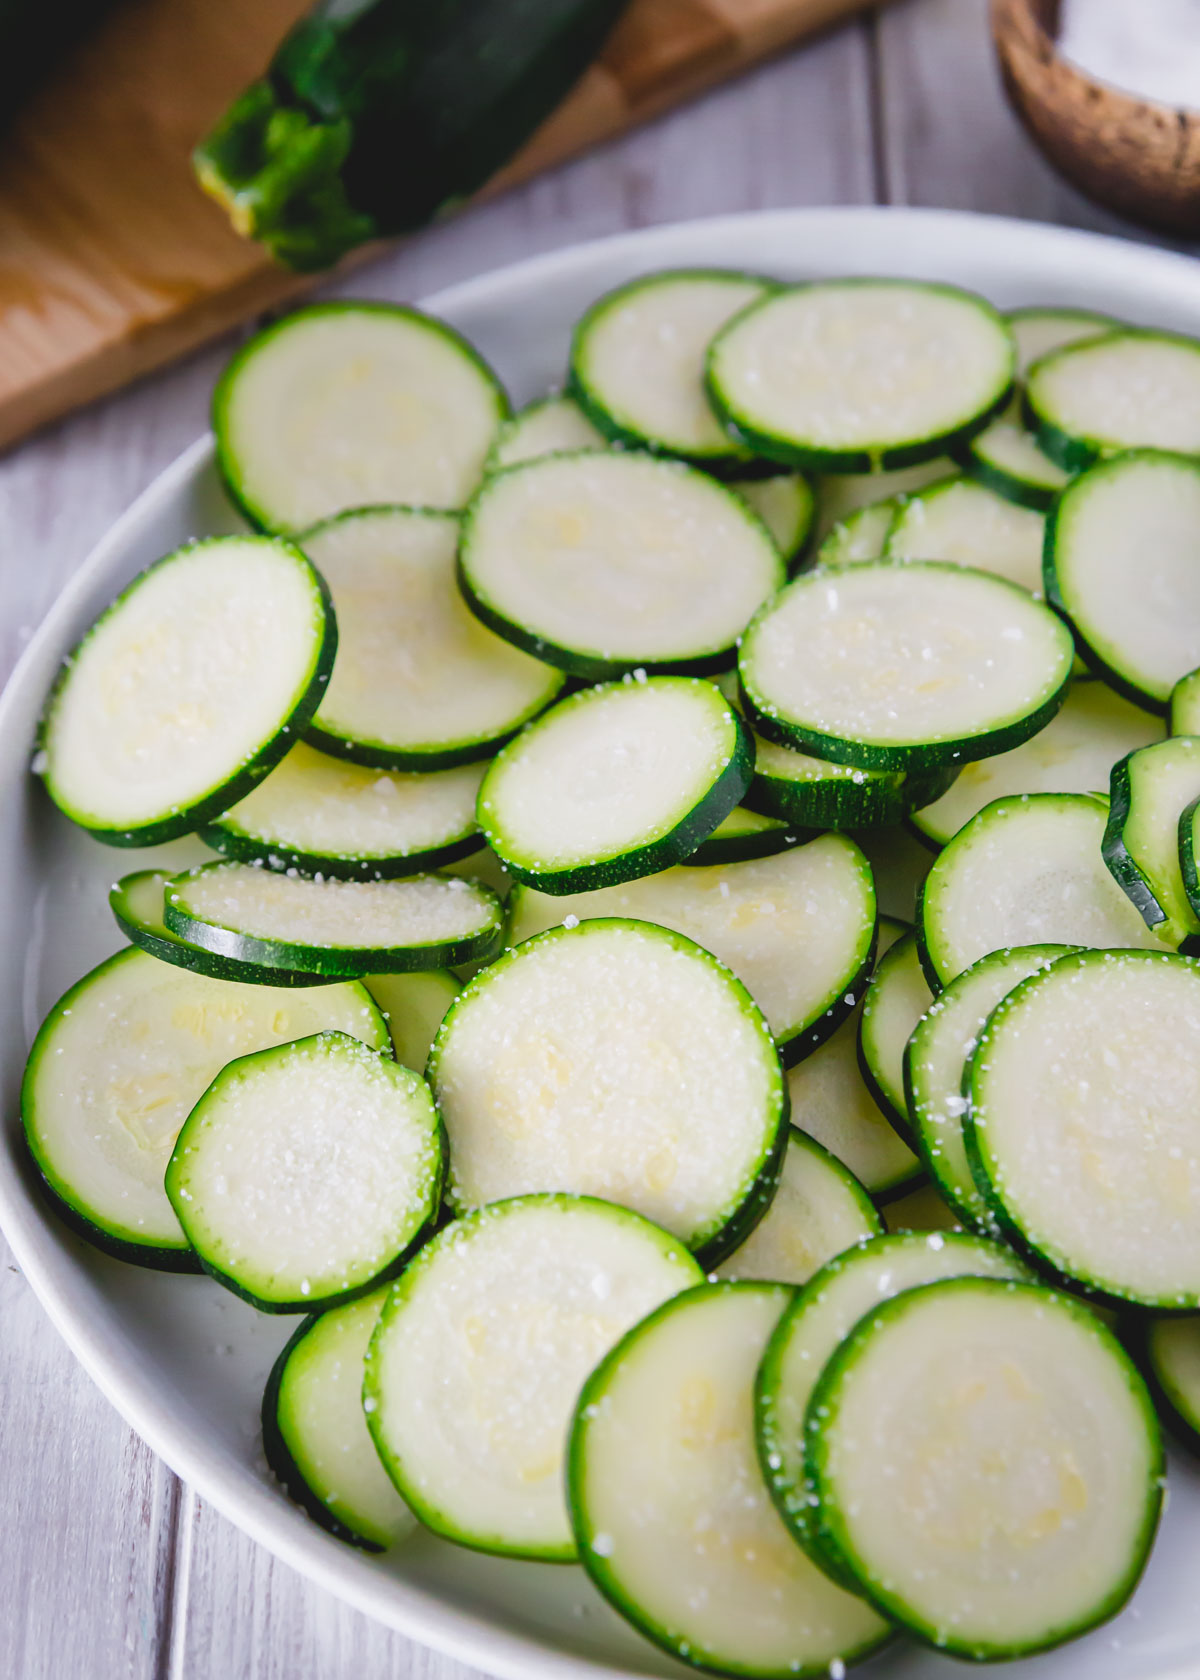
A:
[110,1569]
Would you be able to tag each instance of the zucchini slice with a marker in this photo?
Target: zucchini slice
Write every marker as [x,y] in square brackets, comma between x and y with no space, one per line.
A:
[1121,565]
[840,496]
[339,405]
[414,1006]
[1025,871]
[1151,792]
[1170,1349]
[797,929]
[1005,456]
[1031,1466]
[786,505]
[553,425]
[819,1210]
[343,928]
[1074,753]
[674,1525]
[116,1067]
[812,792]
[816,1322]
[323,816]
[935,1057]
[1129,389]
[419,683]
[895,1001]
[903,666]
[617,1059]
[862,535]
[1082,1120]
[616,782]
[854,375]
[308,1173]
[474,1368]
[922,1209]
[315,1434]
[605,562]
[742,836]
[187,690]
[1185,706]
[969,525]
[637,363]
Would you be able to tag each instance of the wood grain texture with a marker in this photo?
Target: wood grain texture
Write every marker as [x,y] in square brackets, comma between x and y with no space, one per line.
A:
[112,261]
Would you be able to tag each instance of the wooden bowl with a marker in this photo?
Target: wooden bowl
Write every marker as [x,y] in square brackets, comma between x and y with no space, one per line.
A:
[1134,155]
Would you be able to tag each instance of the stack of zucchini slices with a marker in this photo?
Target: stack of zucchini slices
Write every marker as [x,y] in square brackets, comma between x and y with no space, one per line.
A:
[542,1031]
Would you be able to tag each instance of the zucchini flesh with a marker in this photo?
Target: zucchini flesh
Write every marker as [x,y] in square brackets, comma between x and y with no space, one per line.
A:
[798,929]
[903,666]
[308,1172]
[1150,791]
[414,1006]
[345,405]
[553,425]
[1185,705]
[119,1063]
[1120,563]
[854,375]
[322,815]
[474,1368]
[840,496]
[1126,390]
[1032,1466]
[895,1001]
[1074,753]
[742,836]
[315,1434]
[922,1209]
[305,159]
[191,686]
[347,928]
[1171,1348]
[419,683]
[674,1525]
[1026,871]
[934,1059]
[616,782]
[819,1210]
[637,362]
[606,562]
[969,525]
[817,1321]
[615,1059]
[862,535]
[786,505]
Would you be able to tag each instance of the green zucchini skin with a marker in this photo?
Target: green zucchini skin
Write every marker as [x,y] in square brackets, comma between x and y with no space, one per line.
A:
[305,160]
[1187,856]
[1121,866]
[247,848]
[1016,490]
[1137,1334]
[744,848]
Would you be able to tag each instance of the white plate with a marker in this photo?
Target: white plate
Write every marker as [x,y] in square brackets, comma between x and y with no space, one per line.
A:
[181,1358]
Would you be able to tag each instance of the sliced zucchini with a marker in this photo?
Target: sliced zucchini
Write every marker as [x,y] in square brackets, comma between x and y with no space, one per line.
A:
[414,1006]
[1025,871]
[1185,705]
[1129,389]
[1082,1122]
[616,1059]
[787,506]
[935,1057]
[315,1434]
[1074,753]
[674,1525]
[1005,456]
[895,1001]
[862,535]
[343,928]
[1120,564]
[343,404]
[474,1368]
[118,1064]
[854,375]
[553,425]
[1171,1351]
[323,816]
[187,690]
[742,836]
[818,793]
[1151,791]
[922,1209]
[616,782]
[308,1173]
[842,495]
[419,683]
[819,1318]
[903,666]
[798,929]
[819,1210]
[637,363]
[970,525]
[1030,1460]
[605,562]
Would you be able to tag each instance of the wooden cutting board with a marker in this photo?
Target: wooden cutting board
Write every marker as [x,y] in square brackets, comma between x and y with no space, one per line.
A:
[111,259]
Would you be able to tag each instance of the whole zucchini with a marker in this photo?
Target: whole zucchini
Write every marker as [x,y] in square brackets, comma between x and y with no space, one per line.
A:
[375,116]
